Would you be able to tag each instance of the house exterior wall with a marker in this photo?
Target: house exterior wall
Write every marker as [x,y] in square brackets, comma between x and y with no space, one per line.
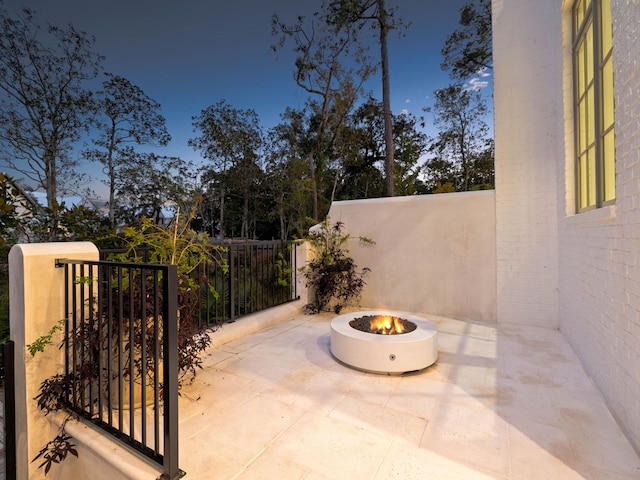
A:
[432,254]
[600,250]
[597,283]
[528,141]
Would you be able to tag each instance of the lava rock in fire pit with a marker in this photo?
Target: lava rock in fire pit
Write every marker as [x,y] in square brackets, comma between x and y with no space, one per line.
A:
[382,325]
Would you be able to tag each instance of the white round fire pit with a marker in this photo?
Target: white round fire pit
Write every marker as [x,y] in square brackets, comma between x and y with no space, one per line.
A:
[415,349]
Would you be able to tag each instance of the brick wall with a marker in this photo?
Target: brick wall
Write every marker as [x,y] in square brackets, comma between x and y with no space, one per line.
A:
[580,272]
[600,250]
[529,138]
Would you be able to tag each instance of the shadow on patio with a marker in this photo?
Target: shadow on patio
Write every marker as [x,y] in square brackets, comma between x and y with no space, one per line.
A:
[501,403]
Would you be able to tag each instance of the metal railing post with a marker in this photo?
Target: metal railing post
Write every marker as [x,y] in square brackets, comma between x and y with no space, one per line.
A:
[170,393]
[9,410]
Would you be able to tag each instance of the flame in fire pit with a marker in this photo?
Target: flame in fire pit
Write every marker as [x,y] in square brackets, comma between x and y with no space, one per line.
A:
[382,324]
[386,325]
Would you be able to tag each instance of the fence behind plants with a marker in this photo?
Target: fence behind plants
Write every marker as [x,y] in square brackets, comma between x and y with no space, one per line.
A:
[260,275]
[121,353]
[250,276]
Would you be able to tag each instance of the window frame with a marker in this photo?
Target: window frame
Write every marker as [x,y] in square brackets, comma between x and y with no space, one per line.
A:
[594,186]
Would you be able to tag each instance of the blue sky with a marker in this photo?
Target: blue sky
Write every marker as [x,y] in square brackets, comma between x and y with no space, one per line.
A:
[190,54]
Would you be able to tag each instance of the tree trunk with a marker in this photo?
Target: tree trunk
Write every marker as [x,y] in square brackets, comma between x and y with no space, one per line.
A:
[112,177]
[386,102]
[221,213]
[245,216]
[51,179]
[112,195]
[314,186]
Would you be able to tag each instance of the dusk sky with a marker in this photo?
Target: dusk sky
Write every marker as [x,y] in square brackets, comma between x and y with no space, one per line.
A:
[190,54]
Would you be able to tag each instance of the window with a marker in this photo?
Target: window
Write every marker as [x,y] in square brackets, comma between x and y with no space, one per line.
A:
[593,104]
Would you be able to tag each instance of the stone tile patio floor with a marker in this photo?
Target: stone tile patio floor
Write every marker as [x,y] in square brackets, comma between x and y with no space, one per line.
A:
[502,402]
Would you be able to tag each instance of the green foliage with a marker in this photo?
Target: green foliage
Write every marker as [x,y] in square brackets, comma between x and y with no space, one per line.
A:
[332,275]
[284,270]
[468,49]
[79,223]
[45,340]
[446,187]
[15,207]
[146,183]
[179,245]
[230,139]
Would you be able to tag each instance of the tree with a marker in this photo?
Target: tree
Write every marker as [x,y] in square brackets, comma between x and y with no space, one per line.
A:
[351,15]
[231,139]
[320,69]
[288,175]
[15,208]
[462,131]
[126,116]
[44,103]
[440,172]
[482,166]
[361,152]
[361,149]
[410,144]
[147,183]
[468,49]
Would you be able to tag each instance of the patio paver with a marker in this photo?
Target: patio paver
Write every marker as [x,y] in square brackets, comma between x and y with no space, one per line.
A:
[504,402]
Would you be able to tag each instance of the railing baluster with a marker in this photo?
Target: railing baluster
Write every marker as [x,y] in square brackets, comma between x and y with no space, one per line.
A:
[130,340]
[143,353]
[156,378]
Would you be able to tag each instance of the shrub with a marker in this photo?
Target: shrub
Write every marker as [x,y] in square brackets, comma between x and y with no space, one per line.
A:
[332,275]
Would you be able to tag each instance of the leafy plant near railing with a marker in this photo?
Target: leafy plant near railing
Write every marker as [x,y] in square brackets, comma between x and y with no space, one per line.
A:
[53,391]
[284,271]
[181,246]
[332,275]
[45,340]
[178,245]
[57,449]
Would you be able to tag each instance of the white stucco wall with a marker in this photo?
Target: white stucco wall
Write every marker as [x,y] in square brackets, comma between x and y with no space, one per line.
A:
[529,139]
[583,269]
[433,253]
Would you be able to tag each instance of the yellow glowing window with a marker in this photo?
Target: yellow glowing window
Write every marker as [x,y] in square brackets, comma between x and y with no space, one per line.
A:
[593,104]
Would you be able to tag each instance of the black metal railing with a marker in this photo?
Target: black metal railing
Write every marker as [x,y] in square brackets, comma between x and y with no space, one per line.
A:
[121,353]
[7,378]
[248,276]
[258,275]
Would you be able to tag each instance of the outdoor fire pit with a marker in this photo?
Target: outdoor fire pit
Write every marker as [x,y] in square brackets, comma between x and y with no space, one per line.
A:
[382,341]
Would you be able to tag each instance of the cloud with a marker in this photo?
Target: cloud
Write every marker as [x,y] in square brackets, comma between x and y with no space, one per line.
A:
[476,83]
[408,100]
[404,112]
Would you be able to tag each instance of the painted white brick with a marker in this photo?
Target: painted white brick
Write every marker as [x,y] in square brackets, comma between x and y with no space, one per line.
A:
[555,268]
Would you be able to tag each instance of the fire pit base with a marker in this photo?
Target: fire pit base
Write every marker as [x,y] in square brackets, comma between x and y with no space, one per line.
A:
[401,353]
